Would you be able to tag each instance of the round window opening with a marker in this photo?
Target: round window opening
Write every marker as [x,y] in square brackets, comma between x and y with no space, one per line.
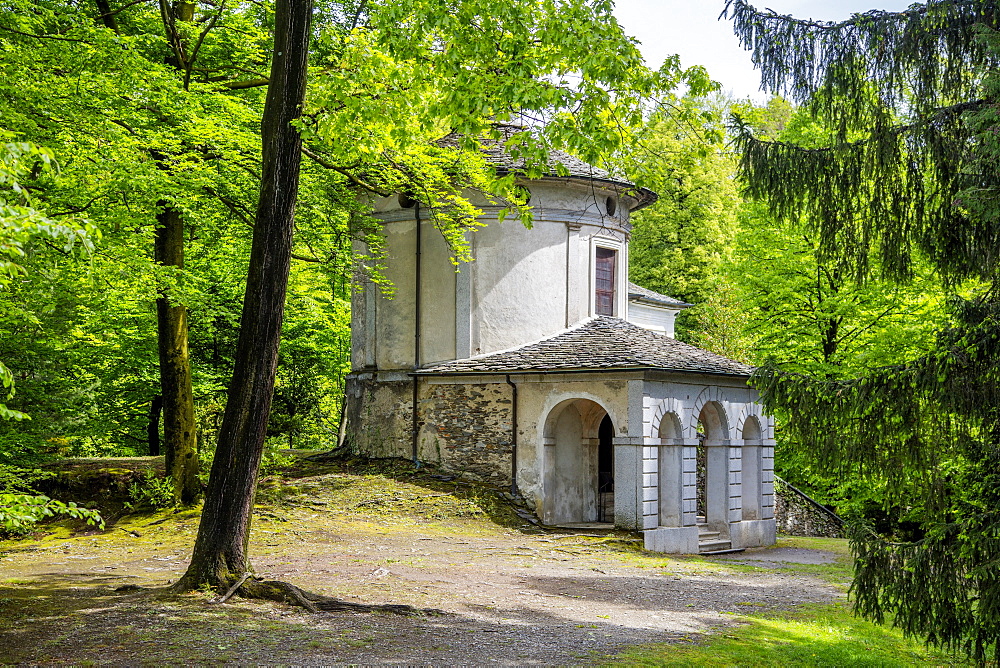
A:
[405,201]
[611,205]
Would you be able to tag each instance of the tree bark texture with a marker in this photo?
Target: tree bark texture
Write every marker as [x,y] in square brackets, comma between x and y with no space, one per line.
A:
[180,440]
[220,550]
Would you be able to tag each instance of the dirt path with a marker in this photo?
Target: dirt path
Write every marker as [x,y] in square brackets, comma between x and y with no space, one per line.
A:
[507,596]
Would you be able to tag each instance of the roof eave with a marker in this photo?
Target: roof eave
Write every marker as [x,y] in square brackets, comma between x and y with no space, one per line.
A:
[633,297]
[527,372]
[643,196]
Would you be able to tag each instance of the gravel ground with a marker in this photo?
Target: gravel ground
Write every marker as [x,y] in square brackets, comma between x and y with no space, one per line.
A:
[506,599]
[505,593]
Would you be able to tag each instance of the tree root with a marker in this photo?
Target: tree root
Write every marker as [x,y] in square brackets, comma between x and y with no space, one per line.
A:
[285,592]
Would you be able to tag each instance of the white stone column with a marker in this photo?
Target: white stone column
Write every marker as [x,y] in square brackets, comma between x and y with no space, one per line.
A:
[371,324]
[758,531]
[577,281]
[767,479]
[677,531]
[548,461]
[752,469]
[690,481]
[735,478]
[678,482]
[650,484]
[589,454]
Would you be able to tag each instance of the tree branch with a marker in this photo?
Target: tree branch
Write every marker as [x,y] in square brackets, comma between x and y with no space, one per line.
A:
[323,162]
[29,34]
[201,38]
[113,12]
[250,83]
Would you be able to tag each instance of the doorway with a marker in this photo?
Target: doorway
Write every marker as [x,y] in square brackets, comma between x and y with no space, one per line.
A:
[606,471]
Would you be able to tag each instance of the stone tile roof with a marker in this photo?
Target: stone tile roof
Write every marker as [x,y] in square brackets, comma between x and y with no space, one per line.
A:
[578,169]
[637,292]
[598,343]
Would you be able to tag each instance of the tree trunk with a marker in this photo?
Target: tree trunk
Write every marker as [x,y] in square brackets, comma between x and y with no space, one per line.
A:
[179,435]
[220,550]
[153,426]
[105,15]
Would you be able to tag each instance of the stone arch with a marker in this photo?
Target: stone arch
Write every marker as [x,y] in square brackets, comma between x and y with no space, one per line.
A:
[755,411]
[670,428]
[751,467]
[593,411]
[572,438]
[715,399]
[665,409]
[750,430]
[713,486]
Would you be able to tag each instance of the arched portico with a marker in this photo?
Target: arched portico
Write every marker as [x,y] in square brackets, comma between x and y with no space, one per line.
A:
[578,463]
[718,490]
[752,468]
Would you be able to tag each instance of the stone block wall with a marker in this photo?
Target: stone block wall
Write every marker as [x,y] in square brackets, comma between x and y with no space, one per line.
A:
[796,516]
[466,429]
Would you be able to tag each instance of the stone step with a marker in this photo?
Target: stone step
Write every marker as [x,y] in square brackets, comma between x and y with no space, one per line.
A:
[706,546]
[732,550]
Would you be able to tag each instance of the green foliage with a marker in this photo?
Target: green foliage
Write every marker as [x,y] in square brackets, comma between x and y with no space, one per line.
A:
[901,186]
[15,480]
[679,243]
[20,512]
[827,635]
[20,223]
[142,124]
[274,461]
[151,492]
[81,334]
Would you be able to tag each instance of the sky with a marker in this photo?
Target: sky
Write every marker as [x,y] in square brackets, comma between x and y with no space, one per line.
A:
[690,29]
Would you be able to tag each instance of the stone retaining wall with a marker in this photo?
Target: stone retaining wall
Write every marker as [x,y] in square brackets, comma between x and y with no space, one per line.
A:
[796,516]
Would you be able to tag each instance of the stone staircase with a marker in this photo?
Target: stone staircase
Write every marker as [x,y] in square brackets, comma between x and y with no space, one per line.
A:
[710,542]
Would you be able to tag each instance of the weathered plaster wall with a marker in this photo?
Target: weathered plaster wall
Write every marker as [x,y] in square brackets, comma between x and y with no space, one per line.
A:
[524,284]
[542,401]
[518,284]
[394,314]
[379,414]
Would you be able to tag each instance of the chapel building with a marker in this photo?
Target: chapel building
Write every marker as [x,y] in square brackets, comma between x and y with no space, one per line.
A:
[540,367]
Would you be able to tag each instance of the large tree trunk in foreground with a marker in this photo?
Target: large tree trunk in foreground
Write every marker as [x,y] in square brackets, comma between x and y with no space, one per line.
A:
[180,439]
[220,550]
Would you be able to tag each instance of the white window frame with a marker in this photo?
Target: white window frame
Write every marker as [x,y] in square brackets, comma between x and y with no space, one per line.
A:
[621,274]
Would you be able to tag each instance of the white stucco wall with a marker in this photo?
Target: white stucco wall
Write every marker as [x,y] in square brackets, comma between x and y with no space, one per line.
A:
[654,318]
[524,284]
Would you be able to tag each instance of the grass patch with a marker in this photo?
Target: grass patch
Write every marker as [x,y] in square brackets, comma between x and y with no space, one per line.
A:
[838,546]
[817,635]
